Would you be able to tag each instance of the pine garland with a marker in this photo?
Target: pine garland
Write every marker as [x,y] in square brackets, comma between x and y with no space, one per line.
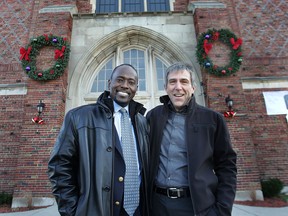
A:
[205,44]
[30,53]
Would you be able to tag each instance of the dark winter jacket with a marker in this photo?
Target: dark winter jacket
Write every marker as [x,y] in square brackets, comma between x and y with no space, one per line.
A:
[211,159]
[85,161]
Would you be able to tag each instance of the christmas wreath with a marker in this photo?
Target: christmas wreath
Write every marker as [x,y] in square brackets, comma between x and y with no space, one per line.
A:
[61,57]
[205,44]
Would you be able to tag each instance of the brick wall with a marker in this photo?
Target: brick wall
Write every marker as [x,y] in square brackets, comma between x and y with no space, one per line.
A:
[180,5]
[25,147]
[260,140]
[83,6]
[218,88]
[270,137]
[263,26]
[37,140]
[11,116]
[15,19]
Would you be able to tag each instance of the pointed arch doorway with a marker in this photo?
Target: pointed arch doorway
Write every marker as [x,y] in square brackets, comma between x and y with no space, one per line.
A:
[148,51]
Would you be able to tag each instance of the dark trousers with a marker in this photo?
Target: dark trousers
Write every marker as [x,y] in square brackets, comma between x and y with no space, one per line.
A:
[165,206]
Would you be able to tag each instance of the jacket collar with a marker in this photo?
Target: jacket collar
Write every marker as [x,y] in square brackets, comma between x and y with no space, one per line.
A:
[134,107]
[189,107]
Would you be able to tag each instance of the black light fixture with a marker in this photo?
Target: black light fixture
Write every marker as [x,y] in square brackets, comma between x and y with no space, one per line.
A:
[229,102]
[37,119]
[230,113]
[40,107]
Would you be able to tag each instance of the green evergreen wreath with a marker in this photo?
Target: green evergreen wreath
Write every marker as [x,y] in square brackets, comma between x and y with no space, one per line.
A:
[61,57]
[205,44]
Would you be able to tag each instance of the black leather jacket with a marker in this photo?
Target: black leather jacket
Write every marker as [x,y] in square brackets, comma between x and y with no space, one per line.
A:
[211,159]
[81,166]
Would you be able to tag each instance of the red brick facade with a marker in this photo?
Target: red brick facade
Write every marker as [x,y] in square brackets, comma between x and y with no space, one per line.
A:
[260,140]
[25,146]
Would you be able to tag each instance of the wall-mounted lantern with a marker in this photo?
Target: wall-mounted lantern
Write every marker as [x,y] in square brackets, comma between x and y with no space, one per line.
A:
[37,119]
[230,113]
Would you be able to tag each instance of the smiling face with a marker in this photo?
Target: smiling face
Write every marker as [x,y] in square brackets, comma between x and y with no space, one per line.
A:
[179,88]
[123,85]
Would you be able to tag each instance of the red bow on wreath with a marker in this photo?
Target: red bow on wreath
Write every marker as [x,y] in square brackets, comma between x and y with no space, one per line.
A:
[236,43]
[59,53]
[207,46]
[229,114]
[25,53]
[215,36]
[37,120]
[46,37]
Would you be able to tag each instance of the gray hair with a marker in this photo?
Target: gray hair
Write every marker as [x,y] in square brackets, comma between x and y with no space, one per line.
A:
[179,66]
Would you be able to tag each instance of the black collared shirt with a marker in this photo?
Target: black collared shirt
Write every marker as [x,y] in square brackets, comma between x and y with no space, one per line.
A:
[173,165]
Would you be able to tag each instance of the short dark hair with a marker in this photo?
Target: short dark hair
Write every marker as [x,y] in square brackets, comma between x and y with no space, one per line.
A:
[125,64]
[178,66]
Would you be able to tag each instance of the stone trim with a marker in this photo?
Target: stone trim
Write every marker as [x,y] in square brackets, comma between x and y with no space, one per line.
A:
[13,89]
[264,82]
[129,14]
[249,195]
[72,9]
[207,4]
[28,201]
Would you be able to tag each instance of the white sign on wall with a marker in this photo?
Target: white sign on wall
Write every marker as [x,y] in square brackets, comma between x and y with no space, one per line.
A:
[276,102]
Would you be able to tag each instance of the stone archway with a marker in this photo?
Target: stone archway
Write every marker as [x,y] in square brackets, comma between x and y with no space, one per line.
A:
[127,36]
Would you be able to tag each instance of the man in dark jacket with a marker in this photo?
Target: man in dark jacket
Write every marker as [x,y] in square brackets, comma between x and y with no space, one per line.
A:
[87,167]
[192,164]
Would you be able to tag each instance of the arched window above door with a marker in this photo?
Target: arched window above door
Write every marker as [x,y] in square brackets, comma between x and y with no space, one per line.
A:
[160,71]
[136,58]
[149,66]
[100,82]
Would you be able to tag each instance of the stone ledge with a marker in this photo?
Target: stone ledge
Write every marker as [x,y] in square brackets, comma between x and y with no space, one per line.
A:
[207,4]
[130,14]
[72,9]
[13,89]
[249,195]
[264,82]
[34,201]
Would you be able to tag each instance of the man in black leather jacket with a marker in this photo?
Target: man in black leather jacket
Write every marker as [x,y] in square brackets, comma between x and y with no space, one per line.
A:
[86,167]
[192,163]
